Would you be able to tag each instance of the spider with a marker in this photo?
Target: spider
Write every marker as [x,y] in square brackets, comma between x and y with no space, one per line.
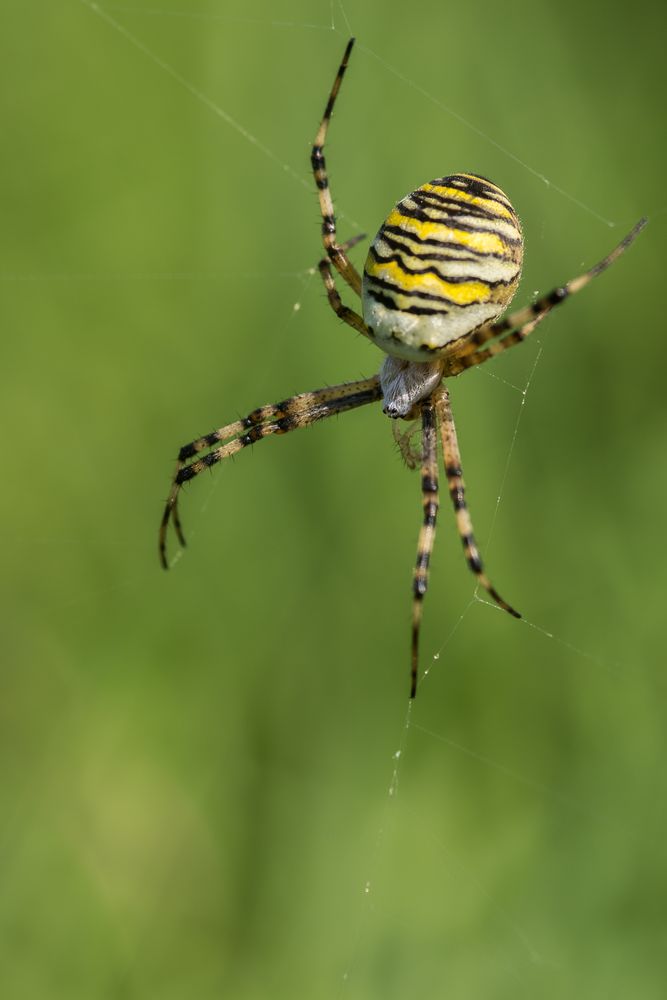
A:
[442,269]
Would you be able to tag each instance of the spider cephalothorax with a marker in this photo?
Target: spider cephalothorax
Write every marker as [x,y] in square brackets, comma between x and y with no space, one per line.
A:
[442,269]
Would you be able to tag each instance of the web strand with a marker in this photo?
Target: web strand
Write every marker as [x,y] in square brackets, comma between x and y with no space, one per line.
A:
[198,94]
[210,16]
[487,138]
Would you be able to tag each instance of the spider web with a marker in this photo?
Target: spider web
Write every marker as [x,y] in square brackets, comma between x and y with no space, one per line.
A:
[465,909]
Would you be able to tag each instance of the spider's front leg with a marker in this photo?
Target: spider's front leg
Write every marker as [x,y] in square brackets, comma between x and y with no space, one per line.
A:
[343,312]
[276,418]
[335,251]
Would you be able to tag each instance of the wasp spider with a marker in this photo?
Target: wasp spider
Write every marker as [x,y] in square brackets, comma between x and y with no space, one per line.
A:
[441,270]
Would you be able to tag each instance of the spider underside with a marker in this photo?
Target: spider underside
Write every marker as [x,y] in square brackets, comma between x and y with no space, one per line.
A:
[421,302]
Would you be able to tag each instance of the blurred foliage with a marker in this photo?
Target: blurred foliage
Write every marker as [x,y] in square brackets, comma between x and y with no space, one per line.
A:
[195,765]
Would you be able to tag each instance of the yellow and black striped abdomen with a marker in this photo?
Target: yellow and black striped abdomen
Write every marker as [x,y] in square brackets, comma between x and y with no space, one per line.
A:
[446,261]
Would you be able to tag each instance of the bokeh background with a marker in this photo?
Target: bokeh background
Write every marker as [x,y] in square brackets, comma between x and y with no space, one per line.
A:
[199,792]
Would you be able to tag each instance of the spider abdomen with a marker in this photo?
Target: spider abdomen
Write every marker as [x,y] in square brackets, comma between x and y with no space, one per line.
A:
[446,261]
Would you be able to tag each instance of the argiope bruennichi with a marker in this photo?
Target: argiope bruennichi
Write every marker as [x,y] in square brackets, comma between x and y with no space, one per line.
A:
[443,267]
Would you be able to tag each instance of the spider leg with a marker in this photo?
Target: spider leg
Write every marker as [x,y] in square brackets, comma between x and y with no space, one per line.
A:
[176,521]
[276,418]
[460,362]
[454,473]
[430,503]
[348,315]
[352,242]
[523,322]
[335,252]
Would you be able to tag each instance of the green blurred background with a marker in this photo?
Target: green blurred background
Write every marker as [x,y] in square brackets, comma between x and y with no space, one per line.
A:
[197,795]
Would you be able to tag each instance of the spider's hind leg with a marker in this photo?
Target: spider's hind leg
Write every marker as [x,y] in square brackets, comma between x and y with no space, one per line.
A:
[430,502]
[454,473]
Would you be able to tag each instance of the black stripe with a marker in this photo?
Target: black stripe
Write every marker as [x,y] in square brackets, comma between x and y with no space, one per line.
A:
[448,207]
[427,415]
[457,494]
[386,299]
[257,416]
[427,241]
[500,326]
[466,227]
[185,474]
[389,303]
[474,560]
[429,296]
[254,434]
[468,254]
[430,514]
[454,279]
[478,186]
[432,241]
[558,294]
[286,405]
[475,563]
